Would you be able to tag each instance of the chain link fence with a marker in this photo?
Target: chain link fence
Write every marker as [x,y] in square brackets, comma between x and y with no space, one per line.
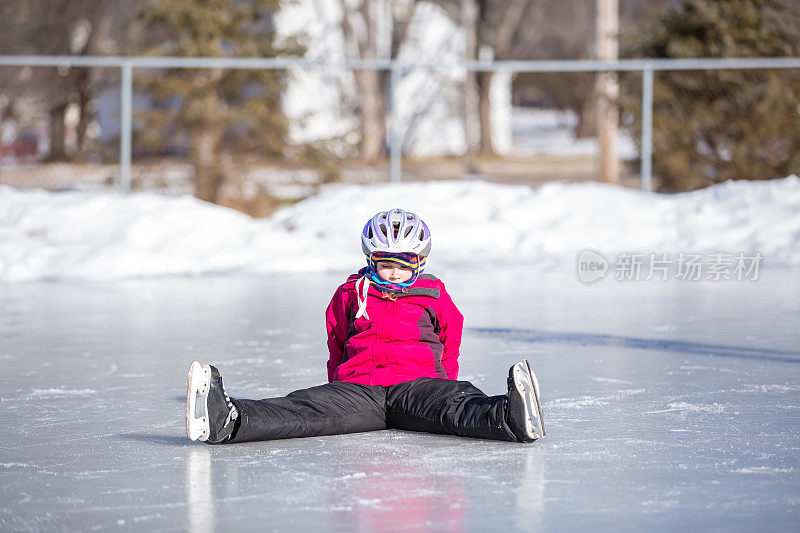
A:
[358,121]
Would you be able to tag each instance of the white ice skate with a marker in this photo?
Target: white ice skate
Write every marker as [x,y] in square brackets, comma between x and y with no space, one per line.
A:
[524,382]
[197,426]
[211,415]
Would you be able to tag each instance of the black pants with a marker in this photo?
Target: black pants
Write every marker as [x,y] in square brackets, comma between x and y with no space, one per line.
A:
[425,404]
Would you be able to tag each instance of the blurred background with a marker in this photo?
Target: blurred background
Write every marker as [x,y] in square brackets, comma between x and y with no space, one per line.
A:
[254,140]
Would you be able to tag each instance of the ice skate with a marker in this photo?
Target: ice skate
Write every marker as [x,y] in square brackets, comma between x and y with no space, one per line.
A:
[524,410]
[210,414]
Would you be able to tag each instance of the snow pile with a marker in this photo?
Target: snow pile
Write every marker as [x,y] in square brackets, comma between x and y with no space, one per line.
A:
[475,224]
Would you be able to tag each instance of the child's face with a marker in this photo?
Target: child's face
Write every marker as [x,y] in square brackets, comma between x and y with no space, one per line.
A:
[393,273]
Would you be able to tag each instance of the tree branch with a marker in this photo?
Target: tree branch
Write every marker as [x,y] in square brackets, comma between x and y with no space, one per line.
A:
[350,36]
[399,33]
[508,26]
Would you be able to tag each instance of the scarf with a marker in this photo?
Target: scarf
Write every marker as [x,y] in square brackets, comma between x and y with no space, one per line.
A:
[412,261]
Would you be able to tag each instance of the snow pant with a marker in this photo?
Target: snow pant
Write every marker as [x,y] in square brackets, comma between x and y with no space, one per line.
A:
[431,405]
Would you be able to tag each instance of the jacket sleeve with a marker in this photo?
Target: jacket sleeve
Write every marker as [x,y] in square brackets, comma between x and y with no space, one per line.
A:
[451,323]
[336,322]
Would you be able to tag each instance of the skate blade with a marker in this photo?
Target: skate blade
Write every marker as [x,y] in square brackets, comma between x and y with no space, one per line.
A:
[196,395]
[525,381]
[538,396]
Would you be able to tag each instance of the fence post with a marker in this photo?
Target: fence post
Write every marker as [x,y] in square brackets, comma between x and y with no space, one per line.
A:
[126,111]
[395,147]
[647,128]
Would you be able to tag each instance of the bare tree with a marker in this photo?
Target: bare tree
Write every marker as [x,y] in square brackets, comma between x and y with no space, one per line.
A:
[497,32]
[60,27]
[361,39]
[607,91]
[469,22]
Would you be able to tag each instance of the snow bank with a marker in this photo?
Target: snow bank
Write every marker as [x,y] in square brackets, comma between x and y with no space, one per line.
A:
[475,224]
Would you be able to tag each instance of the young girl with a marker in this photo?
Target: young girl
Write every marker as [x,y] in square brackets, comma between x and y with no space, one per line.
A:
[393,336]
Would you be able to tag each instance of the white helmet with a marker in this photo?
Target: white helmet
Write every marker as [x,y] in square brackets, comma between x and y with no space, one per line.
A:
[409,234]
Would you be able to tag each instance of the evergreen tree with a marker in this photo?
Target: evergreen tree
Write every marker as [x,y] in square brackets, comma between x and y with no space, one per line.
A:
[710,126]
[221,110]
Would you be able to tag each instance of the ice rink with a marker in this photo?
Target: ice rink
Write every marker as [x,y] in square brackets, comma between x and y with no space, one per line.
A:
[668,405]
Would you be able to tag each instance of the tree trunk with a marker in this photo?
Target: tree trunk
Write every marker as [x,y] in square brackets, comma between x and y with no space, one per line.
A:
[373,127]
[469,21]
[58,149]
[83,87]
[208,176]
[587,117]
[607,91]
[371,108]
[485,111]
[607,120]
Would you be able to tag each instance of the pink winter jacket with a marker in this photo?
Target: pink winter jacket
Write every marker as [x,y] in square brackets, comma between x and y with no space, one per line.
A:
[407,336]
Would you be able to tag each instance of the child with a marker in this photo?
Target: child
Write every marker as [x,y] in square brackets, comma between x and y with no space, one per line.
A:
[393,336]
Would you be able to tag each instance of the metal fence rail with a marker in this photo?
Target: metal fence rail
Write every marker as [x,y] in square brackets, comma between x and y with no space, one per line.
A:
[396,67]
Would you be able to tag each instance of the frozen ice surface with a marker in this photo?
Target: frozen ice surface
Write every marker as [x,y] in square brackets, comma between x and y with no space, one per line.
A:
[668,405]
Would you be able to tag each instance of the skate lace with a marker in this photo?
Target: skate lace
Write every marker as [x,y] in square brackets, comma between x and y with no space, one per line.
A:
[233,413]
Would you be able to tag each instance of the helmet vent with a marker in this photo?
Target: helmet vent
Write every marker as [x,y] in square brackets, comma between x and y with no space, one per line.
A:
[396,231]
